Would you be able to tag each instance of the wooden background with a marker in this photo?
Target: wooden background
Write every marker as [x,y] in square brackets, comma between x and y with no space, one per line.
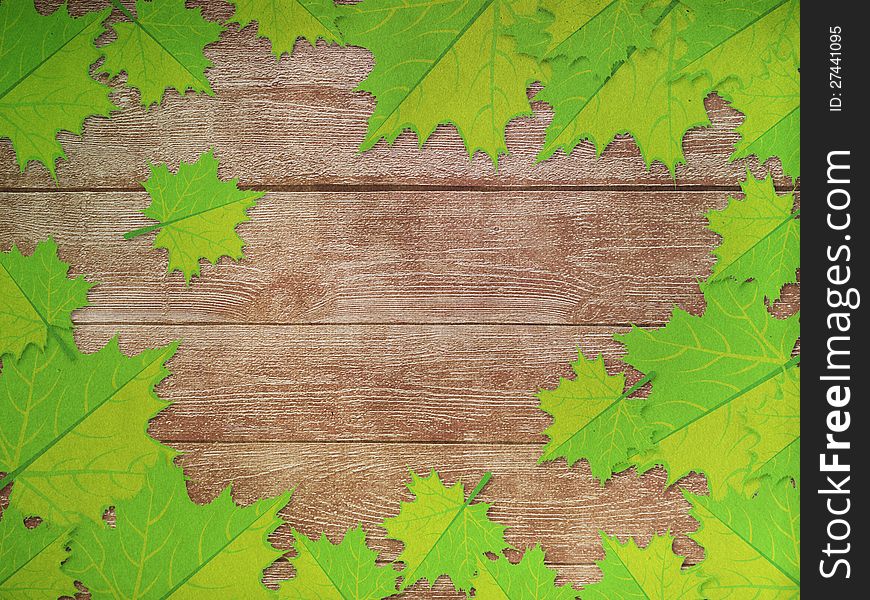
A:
[395,310]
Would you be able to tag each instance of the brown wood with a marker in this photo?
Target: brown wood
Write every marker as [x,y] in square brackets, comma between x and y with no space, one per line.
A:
[360,382]
[556,257]
[338,485]
[298,122]
[395,310]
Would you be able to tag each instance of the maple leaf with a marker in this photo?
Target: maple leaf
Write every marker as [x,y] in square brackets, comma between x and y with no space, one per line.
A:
[197,214]
[45,86]
[585,38]
[30,568]
[593,419]
[443,532]
[343,571]
[164,545]
[423,49]
[710,370]
[72,430]
[161,47]
[589,108]
[751,543]
[651,573]
[760,238]
[757,67]
[38,298]
[530,579]
[776,456]
[285,21]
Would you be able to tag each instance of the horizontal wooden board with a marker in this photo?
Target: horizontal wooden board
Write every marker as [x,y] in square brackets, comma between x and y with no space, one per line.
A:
[360,383]
[339,485]
[298,122]
[556,257]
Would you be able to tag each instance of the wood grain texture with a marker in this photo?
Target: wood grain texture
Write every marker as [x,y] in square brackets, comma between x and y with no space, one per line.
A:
[556,257]
[397,309]
[278,123]
[340,485]
[438,383]
[358,383]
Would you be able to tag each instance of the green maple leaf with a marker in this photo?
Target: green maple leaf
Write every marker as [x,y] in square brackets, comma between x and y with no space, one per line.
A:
[72,427]
[587,37]
[423,49]
[760,238]
[30,568]
[589,108]
[443,532]
[343,571]
[593,419]
[197,214]
[752,544]
[757,67]
[773,115]
[163,545]
[651,573]
[45,86]
[530,579]
[777,420]
[161,47]
[710,370]
[38,298]
[285,21]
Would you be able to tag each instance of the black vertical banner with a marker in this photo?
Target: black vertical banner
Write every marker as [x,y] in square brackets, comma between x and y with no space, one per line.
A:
[834,255]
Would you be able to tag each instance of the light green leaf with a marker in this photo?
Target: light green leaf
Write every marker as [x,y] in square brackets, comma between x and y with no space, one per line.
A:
[726,440]
[285,21]
[588,37]
[72,427]
[31,558]
[45,86]
[752,544]
[760,238]
[757,67]
[443,533]
[643,97]
[165,546]
[197,214]
[651,573]
[784,465]
[38,297]
[778,424]
[423,49]
[161,47]
[530,579]
[707,368]
[773,115]
[593,419]
[343,571]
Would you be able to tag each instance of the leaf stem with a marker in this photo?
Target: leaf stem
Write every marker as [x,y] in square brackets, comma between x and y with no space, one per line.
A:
[117,4]
[479,487]
[142,231]
[644,380]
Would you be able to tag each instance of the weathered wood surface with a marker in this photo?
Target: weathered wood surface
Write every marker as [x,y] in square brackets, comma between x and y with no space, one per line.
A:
[397,309]
[555,257]
[355,383]
[277,123]
[562,509]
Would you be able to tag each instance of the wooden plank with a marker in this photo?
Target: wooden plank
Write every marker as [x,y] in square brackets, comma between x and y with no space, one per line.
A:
[356,383]
[434,383]
[340,485]
[298,122]
[556,257]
